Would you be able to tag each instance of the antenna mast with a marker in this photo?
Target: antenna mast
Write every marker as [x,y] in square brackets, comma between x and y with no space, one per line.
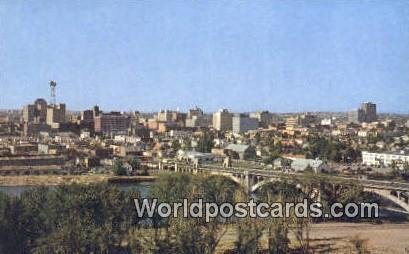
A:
[53,87]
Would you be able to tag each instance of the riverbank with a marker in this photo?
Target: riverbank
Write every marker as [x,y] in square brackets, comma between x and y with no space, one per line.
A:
[53,180]
[332,237]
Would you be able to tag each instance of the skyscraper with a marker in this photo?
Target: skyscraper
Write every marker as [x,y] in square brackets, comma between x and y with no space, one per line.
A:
[222,120]
[365,114]
[36,112]
[56,114]
[111,123]
[242,123]
[369,112]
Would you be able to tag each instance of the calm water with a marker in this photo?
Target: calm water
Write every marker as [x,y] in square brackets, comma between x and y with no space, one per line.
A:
[142,187]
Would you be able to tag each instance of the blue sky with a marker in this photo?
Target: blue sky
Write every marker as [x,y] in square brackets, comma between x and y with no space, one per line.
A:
[283,56]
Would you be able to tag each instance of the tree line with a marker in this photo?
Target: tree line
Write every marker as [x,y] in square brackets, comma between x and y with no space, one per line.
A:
[101,218]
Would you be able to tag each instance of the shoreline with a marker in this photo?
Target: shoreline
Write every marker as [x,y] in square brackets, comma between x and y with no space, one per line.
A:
[54,180]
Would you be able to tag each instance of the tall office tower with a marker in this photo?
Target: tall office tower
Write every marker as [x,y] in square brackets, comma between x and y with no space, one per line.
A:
[369,111]
[87,116]
[28,113]
[96,111]
[41,110]
[87,119]
[242,123]
[222,120]
[55,114]
[264,118]
[35,113]
[165,116]
[365,114]
[111,123]
[196,118]
[195,112]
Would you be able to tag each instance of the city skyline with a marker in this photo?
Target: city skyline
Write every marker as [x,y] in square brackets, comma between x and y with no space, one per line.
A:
[178,109]
[111,112]
[277,56]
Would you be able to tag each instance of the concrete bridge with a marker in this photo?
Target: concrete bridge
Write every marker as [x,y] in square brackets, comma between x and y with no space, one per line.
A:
[253,179]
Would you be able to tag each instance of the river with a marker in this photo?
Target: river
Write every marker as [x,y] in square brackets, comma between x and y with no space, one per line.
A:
[142,187]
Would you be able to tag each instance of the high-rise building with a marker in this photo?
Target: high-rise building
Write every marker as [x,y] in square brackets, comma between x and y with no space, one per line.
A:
[96,111]
[198,121]
[111,123]
[56,114]
[369,111]
[28,113]
[194,112]
[242,123]
[222,120]
[365,114]
[264,118]
[171,118]
[87,116]
[165,116]
[41,110]
[87,119]
[35,113]
[196,118]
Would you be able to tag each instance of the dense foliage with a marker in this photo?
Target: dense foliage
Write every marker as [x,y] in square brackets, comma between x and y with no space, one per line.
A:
[102,219]
[67,219]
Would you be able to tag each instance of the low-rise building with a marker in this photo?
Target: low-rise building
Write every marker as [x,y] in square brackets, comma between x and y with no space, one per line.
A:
[240,151]
[51,148]
[300,164]
[38,160]
[385,159]
[23,149]
[196,157]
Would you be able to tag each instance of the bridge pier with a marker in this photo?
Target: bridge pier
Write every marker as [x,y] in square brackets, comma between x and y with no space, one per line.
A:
[248,182]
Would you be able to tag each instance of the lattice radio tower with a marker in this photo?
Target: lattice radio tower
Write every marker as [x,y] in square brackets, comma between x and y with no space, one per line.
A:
[53,88]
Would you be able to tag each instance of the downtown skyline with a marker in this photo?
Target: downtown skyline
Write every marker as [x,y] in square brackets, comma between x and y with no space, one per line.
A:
[269,55]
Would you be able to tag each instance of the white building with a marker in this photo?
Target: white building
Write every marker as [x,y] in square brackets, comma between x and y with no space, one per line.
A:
[193,156]
[179,134]
[365,133]
[300,164]
[326,122]
[384,159]
[127,139]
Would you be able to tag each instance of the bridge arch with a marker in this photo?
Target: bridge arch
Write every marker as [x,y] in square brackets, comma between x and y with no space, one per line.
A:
[238,179]
[262,183]
[388,194]
[252,182]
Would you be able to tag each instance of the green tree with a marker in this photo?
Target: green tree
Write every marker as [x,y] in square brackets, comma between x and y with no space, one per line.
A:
[119,169]
[205,143]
